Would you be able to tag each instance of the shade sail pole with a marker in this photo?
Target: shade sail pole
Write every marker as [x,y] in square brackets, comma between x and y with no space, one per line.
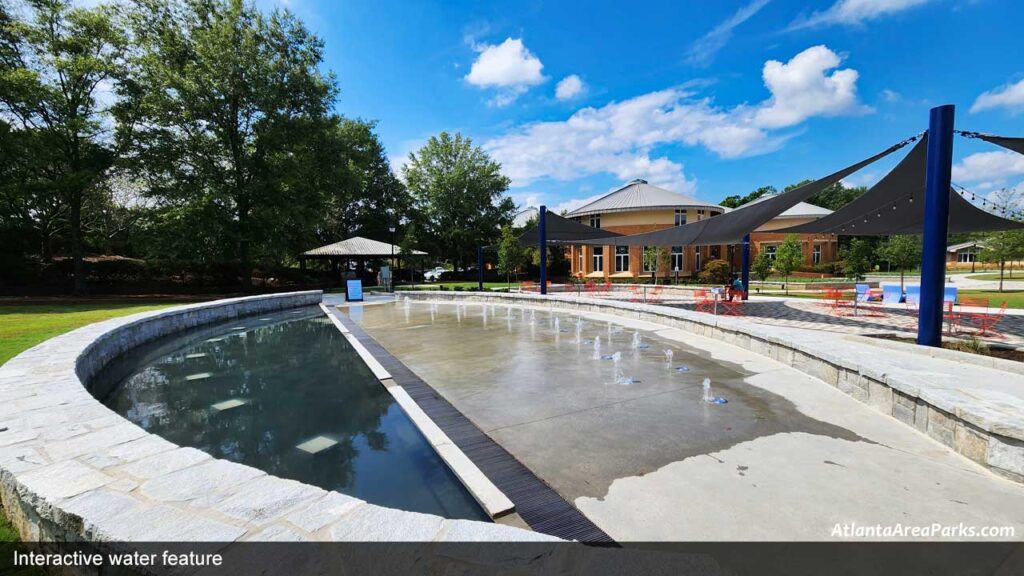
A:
[480,268]
[542,245]
[745,273]
[938,175]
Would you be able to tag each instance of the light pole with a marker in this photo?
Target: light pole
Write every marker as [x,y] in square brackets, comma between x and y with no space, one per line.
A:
[391,280]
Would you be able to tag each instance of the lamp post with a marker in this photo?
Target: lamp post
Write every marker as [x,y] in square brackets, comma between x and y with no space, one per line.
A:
[391,280]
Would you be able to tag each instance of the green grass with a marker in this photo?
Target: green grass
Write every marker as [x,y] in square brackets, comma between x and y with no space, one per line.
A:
[454,285]
[22,326]
[1013,298]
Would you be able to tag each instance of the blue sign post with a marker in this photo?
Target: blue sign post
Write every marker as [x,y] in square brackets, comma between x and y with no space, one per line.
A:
[353,290]
[542,245]
[936,224]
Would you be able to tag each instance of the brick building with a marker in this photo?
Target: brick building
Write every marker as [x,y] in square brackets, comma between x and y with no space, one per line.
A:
[640,207]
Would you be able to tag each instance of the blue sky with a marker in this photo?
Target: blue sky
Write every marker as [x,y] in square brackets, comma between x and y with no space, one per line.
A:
[705,98]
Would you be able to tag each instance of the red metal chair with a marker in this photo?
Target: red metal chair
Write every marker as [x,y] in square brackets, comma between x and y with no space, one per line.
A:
[705,303]
[734,307]
[636,293]
[654,297]
[527,286]
[986,323]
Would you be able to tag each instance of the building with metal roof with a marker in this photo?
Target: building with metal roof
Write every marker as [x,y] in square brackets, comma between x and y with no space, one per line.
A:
[639,195]
[359,247]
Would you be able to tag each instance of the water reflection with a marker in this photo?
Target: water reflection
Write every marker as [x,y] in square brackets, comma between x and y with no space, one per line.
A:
[253,390]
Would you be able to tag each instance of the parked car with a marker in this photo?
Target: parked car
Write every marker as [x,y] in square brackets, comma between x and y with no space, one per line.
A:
[434,275]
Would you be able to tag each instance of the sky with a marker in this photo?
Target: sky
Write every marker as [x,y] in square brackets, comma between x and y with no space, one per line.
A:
[704,98]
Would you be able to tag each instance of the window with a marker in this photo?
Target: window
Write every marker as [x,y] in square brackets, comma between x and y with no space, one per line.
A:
[967,255]
[700,213]
[595,220]
[696,259]
[680,217]
[769,251]
[677,260]
[816,254]
[715,252]
[580,259]
[622,258]
[598,259]
[650,266]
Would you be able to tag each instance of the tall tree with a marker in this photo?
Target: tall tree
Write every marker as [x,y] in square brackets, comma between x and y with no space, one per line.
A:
[735,201]
[60,67]
[1007,245]
[459,195]
[901,251]
[858,257]
[236,117]
[511,254]
[833,197]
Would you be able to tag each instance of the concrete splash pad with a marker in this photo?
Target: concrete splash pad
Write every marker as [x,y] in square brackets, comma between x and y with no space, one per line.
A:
[787,458]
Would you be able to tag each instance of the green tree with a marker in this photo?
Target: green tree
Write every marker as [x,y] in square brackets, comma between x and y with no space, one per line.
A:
[1007,245]
[901,251]
[655,258]
[511,254]
[858,256]
[833,197]
[762,266]
[788,257]
[61,70]
[235,126]
[716,272]
[735,201]
[459,195]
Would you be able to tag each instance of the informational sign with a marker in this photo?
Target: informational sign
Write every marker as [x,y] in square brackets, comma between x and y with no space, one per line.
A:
[354,290]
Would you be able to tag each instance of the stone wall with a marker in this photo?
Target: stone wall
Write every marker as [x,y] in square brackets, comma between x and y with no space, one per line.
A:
[73,470]
[988,429]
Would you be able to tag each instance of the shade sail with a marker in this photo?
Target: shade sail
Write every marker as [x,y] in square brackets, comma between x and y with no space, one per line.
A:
[564,231]
[895,206]
[731,227]
[1015,144]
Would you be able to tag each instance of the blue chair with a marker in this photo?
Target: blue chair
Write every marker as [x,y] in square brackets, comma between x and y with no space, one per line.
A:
[892,294]
[949,294]
[913,295]
[862,292]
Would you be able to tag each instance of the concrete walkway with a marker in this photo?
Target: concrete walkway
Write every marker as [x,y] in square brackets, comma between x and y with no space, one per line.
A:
[788,458]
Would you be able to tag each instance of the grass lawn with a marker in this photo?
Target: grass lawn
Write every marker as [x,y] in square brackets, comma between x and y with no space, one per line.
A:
[1018,276]
[22,326]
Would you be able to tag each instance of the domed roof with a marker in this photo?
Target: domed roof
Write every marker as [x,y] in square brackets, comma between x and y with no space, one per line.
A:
[640,195]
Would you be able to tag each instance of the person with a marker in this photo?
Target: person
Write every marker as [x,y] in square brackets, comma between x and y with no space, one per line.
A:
[735,287]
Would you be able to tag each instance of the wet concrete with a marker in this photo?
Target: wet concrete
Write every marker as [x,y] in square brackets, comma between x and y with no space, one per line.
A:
[541,394]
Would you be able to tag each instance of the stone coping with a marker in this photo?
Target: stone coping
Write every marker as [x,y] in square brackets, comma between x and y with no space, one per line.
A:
[72,469]
[973,405]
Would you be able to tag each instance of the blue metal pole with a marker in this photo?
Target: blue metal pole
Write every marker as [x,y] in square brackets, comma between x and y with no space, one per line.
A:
[936,223]
[480,268]
[745,273]
[543,247]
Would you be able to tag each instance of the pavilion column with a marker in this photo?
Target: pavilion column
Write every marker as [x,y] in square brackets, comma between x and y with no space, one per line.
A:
[745,273]
[936,223]
[542,245]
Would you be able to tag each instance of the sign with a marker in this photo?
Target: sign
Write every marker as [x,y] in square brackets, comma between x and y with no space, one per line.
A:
[353,290]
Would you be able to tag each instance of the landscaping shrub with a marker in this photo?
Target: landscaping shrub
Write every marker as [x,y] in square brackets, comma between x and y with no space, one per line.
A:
[716,272]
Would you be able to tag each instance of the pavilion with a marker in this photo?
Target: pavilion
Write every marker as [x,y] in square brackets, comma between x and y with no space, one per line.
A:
[357,249]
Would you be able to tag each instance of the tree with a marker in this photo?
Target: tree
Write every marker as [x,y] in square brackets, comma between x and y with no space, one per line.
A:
[235,117]
[858,256]
[735,201]
[655,258]
[459,195]
[61,66]
[1007,245]
[833,197]
[511,254]
[901,251]
[716,272]
[762,266]
[788,257]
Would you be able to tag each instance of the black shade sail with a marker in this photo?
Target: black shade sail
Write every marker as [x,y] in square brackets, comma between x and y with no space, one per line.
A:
[731,227]
[895,206]
[1015,144]
[564,231]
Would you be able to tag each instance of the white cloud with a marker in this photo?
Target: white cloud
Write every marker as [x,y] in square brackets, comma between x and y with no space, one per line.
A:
[801,88]
[891,95]
[1010,96]
[992,169]
[508,67]
[569,87]
[704,50]
[854,12]
[619,138]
